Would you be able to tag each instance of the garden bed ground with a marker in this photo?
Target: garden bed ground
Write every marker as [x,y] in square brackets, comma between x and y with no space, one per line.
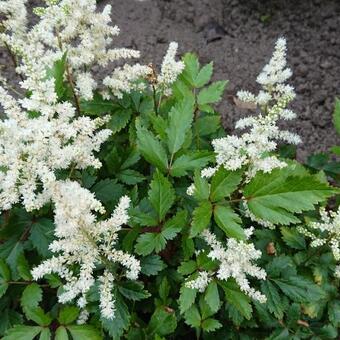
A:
[239,35]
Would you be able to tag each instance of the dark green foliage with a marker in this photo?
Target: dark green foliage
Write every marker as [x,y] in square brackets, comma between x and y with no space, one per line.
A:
[154,157]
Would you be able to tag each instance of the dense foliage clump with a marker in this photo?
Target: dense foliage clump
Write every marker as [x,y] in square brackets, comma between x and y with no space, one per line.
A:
[128,213]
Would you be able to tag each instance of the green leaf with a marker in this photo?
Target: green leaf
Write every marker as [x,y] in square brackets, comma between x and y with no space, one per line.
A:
[98,106]
[274,302]
[5,275]
[326,332]
[192,317]
[229,222]
[42,235]
[190,162]
[119,119]
[334,312]
[204,75]
[57,73]
[275,197]
[163,322]
[24,268]
[186,299]
[187,268]
[68,314]
[132,158]
[61,333]
[336,116]
[30,299]
[11,250]
[152,265]
[180,120]
[211,325]
[207,125]
[212,297]
[293,238]
[300,289]
[31,296]
[151,149]
[164,289]
[202,190]
[205,310]
[130,177]
[107,190]
[84,332]
[279,334]
[191,69]
[161,194]
[148,242]
[45,334]
[224,183]
[212,93]
[38,315]
[173,226]
[120,322]
[133,290]
[237,298]
[21,332]
[280,264]
[201,218]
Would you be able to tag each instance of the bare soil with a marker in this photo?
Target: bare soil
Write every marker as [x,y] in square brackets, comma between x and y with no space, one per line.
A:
[239,36]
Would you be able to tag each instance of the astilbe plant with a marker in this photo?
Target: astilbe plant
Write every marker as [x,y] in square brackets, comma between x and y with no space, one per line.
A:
[127,213]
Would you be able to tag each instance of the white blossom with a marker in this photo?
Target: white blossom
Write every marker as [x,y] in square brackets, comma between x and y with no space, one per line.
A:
[200,283]
[107,307]
[83,317]
[170,69]
[255,147]
[86,85]
[235,261]
[125,79]
[275,72]
[71,29]
[33,149]
[84,242]
[325,232]
[15,14]
[250,215]
[208,172]
[191,189]
[337,272]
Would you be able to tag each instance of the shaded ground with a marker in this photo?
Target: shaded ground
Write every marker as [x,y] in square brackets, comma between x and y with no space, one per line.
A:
[239,35]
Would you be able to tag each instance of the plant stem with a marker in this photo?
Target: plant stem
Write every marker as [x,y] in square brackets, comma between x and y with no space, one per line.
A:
[25,283]
[71,82]
[154,99]
[14,60]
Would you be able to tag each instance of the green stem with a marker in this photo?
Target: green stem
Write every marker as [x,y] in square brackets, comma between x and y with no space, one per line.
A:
[25,283]
[154,99]
[14,60]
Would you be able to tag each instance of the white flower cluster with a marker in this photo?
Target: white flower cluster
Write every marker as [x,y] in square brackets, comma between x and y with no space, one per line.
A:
[236,261]
[15,16]
[254,148]
[328,233]
[85,242]
[32,149]
[40,135]
[250,215]
[170,69]
[200,283]
[73,28]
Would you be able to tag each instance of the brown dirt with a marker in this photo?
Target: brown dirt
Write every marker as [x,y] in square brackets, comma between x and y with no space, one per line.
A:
[239,35]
